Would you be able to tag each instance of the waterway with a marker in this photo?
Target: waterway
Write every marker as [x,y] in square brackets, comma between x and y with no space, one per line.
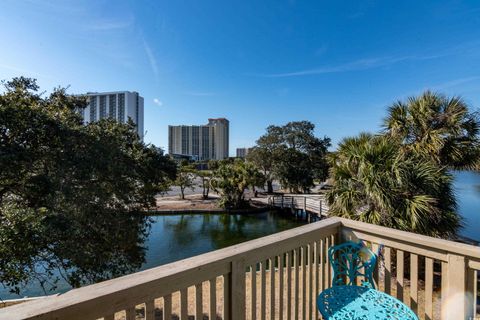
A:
[175,237]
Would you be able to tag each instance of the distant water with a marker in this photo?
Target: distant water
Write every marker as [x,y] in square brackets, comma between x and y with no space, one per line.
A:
[176,237]
[467,190]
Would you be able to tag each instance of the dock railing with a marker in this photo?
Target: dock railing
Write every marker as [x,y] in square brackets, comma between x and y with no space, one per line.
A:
[313,204]
[277,277]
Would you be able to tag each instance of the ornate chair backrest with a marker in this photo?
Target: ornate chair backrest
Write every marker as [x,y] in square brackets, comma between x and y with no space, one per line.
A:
[351,260]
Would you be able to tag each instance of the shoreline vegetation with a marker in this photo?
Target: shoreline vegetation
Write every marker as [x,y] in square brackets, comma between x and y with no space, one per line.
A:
[196,204]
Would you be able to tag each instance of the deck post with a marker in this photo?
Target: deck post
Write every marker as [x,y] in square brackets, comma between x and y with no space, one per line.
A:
[305,204]
[456,301]
[282,201]
[237,290]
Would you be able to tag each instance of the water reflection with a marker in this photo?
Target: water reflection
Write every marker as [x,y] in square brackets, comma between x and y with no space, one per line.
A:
[467,191]
[121,244]
[80,250]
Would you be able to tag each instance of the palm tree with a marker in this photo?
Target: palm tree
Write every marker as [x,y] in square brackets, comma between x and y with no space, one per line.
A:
[376,182]
[437,127]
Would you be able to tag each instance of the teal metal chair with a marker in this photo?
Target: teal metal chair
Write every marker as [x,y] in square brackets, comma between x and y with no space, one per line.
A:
[352,260]
[345,300]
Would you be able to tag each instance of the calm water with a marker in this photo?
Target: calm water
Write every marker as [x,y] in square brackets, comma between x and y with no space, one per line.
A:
[175,237]
[467,190]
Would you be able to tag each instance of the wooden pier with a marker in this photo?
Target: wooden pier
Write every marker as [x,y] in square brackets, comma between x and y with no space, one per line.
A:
[314,207]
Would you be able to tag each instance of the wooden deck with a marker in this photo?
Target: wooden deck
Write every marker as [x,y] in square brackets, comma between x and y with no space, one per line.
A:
[285,273]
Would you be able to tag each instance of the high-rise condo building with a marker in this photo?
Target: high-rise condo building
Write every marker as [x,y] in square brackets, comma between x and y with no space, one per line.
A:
[243,152]
[204,142]
[118,105]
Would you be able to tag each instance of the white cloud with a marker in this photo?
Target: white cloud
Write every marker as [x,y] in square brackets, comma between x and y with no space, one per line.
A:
[357,65]
[157,102]
[378,62]
[151,58]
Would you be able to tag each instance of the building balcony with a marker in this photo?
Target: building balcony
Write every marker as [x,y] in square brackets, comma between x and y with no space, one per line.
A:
[277,277]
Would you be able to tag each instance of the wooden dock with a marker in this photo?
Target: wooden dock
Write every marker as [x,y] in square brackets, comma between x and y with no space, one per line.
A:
[312,206]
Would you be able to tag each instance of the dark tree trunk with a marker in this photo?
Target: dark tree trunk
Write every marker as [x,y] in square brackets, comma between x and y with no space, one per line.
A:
[269,186]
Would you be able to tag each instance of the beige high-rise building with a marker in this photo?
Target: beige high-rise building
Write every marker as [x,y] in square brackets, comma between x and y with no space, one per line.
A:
[204,142]
[243,152]
[117,105]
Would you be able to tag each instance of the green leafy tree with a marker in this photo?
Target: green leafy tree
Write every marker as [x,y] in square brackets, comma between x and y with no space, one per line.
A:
[375,182]
[295,171]
[205,179]
[232,178]
[437,127]
[185,178]
[63,183]
[281,145]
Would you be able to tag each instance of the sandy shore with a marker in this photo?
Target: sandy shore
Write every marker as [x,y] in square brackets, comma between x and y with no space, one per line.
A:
[190,202]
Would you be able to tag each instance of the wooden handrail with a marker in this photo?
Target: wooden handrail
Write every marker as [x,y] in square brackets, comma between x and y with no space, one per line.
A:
[396,237]
[458,262]
[107,297]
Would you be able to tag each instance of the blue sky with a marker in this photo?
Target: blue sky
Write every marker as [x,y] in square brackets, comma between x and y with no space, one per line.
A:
[338,64]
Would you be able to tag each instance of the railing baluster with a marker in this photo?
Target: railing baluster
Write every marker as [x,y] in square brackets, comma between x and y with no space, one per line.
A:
[227,282]
[271,263]
[288,266]
[212,310]
[238,290]
[304,282]
[150,310]
[296,299]
[321,264]
[429,288]
[263,287]
[316,280]
[130,313]
[184,304]
[310,281]
[400,272]
[414,282]
[388,270]
[328,278]
[471,292]
[167,307]
[280,286]
[253,290]
[198,301]
[376,270]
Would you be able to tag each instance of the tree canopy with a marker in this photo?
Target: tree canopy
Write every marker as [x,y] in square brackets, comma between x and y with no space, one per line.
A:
[376,182]
[440,128]
[67,189]
[292,154]
[399,178]
[232,178]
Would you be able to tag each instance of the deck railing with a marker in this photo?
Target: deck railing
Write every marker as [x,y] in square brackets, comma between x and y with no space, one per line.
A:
[277,277]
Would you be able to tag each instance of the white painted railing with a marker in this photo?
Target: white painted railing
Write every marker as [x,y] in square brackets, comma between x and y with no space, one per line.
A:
[276,277]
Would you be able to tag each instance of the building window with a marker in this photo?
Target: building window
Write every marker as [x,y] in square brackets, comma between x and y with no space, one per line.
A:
[195,141]
[112,104]
[121,107]
[93,108]
[136,110]
[205,143]
[103,107]
[185,146]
